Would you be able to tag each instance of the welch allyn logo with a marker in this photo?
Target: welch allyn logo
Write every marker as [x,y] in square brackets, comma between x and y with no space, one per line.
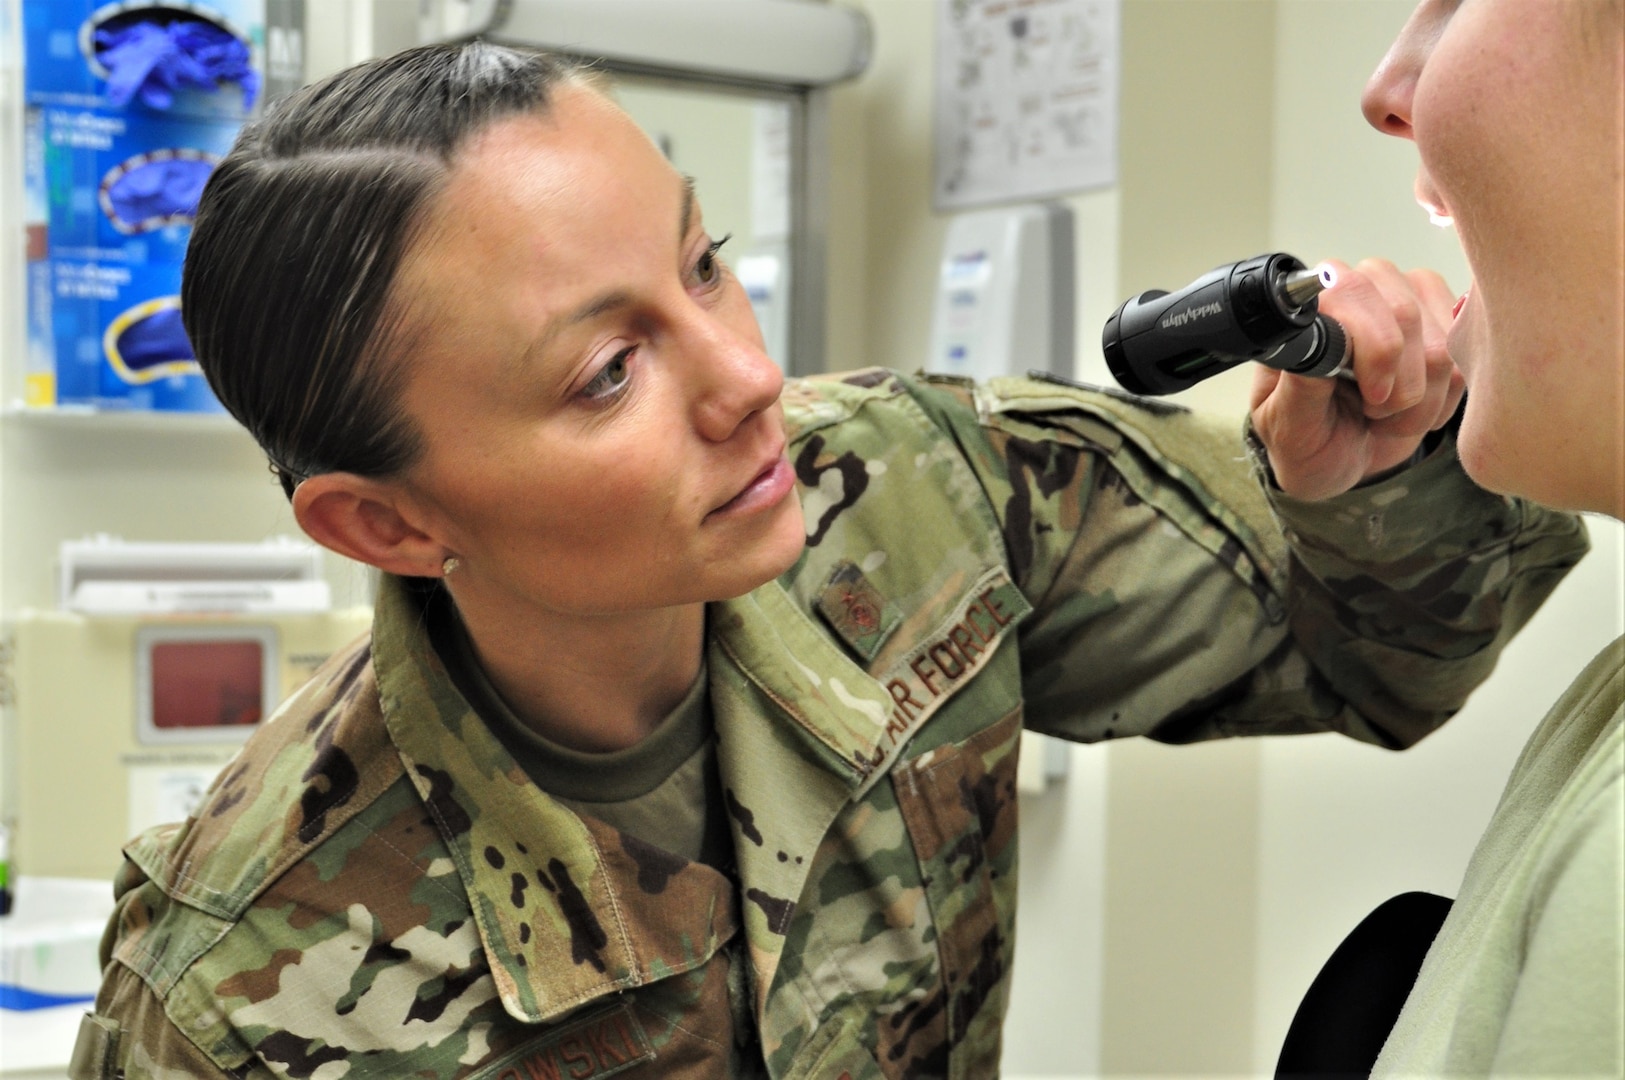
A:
[1180,318]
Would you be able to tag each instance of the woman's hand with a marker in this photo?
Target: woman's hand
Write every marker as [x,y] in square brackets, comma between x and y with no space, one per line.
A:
[1324,436]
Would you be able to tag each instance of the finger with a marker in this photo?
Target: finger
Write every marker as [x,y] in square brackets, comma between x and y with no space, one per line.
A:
[1356,302]
[1407,310]
[1438,405]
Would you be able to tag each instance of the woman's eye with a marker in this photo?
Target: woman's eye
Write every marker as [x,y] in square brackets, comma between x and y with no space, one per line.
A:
[708,269]
[611,377]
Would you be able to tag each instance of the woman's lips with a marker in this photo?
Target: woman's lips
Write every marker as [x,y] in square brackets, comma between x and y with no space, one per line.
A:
[766,489]
[1460,303]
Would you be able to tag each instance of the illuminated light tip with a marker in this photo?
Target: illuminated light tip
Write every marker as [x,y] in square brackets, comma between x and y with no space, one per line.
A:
[1443,221]
[1328,276]
[1300,287]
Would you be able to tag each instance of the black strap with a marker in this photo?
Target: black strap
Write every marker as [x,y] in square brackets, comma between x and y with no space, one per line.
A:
[1350,1008]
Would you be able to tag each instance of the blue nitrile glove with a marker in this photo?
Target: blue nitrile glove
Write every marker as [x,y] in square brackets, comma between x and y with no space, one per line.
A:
[166,189]
[220,53]
[153,60]
[158,339]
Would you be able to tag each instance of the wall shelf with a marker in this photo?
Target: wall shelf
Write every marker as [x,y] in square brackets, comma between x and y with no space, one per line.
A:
[86,419]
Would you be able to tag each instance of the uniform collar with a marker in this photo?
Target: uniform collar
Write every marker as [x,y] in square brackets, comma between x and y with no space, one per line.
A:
[835,709]
[557,898]
[785,781]
[566,911]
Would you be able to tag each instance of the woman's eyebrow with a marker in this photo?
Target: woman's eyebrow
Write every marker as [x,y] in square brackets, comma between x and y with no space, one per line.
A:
[614,298]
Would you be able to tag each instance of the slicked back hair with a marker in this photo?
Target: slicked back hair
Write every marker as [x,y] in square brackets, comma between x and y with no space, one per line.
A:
[286,293]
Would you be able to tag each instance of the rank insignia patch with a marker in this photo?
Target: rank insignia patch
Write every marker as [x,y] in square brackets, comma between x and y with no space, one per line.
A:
[854,609]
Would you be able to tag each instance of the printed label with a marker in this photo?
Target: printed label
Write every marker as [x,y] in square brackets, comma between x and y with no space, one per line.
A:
[960,646]
[600,1045]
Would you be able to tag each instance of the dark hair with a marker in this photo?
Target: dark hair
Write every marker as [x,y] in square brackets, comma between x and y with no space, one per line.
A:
[299,234]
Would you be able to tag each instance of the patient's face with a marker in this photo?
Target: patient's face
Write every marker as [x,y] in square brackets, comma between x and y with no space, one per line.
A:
[1516,110]
[601,422]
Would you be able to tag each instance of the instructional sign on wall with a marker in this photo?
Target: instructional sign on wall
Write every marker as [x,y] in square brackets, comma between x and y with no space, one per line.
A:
[1026,99]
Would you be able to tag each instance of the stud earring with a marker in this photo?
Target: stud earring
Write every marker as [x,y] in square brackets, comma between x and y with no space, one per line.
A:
[451,564]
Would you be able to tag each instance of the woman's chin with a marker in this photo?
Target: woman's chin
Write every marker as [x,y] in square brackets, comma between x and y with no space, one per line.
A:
[768,559]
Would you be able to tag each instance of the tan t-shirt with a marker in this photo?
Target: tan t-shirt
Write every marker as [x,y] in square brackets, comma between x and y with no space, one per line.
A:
[665,790]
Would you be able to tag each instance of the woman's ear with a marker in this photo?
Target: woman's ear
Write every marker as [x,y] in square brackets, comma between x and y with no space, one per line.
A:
[367,520]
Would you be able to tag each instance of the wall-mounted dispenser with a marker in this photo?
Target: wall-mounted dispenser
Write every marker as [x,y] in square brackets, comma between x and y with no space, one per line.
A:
[128,106]
[1005,293]
[103,575]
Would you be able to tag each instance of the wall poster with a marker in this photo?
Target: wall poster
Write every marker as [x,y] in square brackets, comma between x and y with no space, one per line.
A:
[1025,99]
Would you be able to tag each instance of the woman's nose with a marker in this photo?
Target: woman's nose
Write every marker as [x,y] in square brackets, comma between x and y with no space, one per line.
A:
[734,377]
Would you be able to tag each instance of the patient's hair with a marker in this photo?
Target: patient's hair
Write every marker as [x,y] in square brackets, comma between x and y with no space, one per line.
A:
[286,294]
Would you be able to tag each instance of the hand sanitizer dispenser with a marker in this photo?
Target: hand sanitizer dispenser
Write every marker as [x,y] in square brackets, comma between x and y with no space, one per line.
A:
[1005,293]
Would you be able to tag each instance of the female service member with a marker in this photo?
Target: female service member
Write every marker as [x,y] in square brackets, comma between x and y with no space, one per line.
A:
[1516,111]
[684,741]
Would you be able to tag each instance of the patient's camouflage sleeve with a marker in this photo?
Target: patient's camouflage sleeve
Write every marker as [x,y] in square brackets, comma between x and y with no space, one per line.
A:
[375,888]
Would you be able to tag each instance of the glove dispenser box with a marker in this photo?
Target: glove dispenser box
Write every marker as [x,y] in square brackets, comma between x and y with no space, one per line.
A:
[129,107]
[122,722]
[198,58]
[111,197]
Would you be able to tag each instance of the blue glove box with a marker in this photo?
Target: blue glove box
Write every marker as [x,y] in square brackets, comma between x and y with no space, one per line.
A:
[110,197]
[121,181]
[63,63]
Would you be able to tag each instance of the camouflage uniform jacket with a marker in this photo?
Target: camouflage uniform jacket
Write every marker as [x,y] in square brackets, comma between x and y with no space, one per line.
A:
[374,888]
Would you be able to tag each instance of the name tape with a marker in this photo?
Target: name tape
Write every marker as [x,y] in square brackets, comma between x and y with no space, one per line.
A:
[961,646]
[597,1046]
